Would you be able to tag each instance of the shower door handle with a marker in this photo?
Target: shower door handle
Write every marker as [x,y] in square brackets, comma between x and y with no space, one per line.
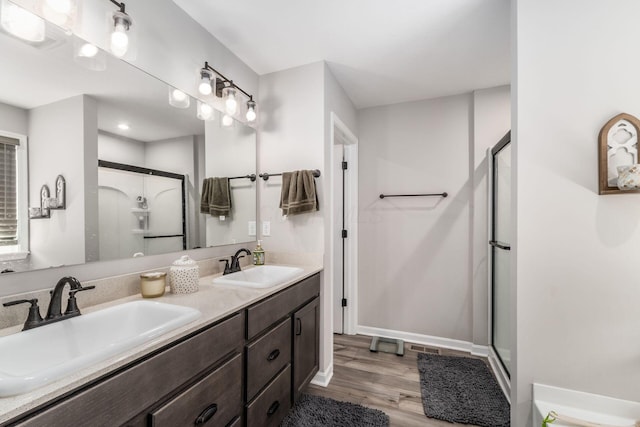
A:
[499,245]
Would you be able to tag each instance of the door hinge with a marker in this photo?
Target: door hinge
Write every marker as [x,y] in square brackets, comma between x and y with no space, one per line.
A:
[344,165]
[344,234]
[344,302]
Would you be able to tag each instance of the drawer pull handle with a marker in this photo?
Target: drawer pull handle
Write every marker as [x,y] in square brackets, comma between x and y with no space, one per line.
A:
[206,415]
[273,408]
[298,326]
[273,355]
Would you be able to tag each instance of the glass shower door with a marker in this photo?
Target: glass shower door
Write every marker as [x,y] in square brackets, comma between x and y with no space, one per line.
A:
[500,238]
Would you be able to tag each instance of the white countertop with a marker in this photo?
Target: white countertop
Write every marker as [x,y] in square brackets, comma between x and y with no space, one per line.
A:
[215,302]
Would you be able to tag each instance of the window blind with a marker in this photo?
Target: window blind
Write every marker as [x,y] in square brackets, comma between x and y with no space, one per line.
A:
[8,191]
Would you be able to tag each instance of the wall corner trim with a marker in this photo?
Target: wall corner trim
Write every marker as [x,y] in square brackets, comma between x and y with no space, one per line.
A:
[323,378]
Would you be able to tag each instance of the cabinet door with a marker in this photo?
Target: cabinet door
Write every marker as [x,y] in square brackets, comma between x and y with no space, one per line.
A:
[306,345]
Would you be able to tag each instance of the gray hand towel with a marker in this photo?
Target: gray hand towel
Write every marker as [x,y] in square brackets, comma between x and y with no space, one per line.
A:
[219,197]
[298,193]
[204,198]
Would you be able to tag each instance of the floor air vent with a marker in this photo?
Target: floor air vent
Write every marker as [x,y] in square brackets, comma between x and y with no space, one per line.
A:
[422,349]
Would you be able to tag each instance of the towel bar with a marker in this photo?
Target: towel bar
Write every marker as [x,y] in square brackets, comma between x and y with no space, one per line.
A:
[265,176]
[382,196]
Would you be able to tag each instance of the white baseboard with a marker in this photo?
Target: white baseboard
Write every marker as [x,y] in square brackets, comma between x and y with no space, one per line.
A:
[429,340]
[323,378]
[480,350]
[501,374]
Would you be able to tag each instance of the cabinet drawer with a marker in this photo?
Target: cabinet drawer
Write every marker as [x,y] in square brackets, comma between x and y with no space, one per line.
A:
[265,313]
[215,400]
[122,396]
[271,406]
[267,356]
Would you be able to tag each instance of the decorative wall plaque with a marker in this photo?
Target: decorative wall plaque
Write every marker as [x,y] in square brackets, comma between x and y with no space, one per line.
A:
[617,146]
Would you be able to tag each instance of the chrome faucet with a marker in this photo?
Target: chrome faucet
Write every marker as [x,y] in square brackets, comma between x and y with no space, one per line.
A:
[54,312]
[235,260]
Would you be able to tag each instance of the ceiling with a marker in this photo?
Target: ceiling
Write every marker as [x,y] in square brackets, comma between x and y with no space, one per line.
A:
[380,52]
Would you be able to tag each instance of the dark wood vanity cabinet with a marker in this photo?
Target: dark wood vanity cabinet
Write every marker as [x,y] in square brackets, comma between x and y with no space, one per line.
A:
[205,360]
[244,370]
[281,330]
[306,345]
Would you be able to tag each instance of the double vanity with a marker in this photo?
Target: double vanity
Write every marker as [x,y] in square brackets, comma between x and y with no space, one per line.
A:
[237,352]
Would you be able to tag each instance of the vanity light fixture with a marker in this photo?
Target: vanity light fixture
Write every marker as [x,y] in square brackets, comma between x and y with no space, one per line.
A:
[205,111]
[60,12]
[119,39]
[227,89]
[21,23]
[178,98]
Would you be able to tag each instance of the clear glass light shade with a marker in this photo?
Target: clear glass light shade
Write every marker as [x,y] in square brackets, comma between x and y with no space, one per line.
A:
[230,101]
[227,120]
[21,23]
[251,111]
[89,55]
[178,98]
[60,12]
[119,42]
[205,111]
[204,85]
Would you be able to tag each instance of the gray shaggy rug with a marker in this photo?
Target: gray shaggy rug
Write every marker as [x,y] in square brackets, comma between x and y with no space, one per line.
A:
[317,411]
[461,390]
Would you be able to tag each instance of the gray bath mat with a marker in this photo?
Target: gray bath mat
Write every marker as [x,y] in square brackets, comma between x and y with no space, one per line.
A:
[461,390]
[317,411]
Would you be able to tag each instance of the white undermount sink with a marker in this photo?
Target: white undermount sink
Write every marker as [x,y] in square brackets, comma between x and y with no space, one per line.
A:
[33,358]
[262,276]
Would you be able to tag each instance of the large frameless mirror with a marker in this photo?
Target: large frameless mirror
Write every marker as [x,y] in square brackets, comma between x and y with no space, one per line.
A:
[134,159]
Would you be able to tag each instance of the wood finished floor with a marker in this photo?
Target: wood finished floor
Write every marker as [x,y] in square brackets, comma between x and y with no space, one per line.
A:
[380,380]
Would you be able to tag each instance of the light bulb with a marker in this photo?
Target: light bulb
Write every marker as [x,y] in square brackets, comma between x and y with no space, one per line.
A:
[205,82]
[119,37]
[251,111]
[123,126]
[88,50]
[205,111]
[230,103]
[227,120]
[21,23]
[119,41]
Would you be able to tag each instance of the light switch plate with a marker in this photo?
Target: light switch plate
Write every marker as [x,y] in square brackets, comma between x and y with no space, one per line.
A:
[252,228]
[266,228]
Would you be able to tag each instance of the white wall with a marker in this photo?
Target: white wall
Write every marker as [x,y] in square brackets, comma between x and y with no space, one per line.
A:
[172,47]
[578,320]
[292,138]
[491,121]
[61,238]
[13,119]
[414,252]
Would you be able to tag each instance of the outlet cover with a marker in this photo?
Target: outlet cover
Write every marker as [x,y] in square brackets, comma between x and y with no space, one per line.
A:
[266,228]
[252,228]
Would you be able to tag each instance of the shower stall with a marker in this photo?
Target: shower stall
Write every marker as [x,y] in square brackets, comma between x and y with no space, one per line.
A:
[500,247]
[141,211]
